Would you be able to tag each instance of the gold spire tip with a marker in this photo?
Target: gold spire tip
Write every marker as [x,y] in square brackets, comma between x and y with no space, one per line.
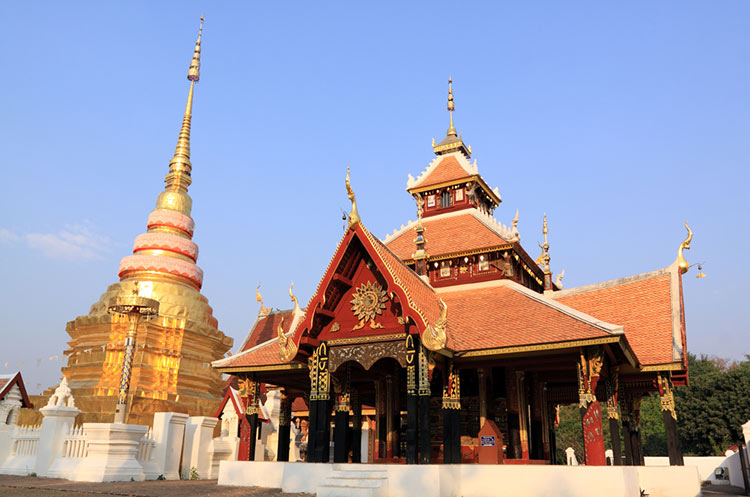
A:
[682,263]
[451,107]
[354,218]
[194,72]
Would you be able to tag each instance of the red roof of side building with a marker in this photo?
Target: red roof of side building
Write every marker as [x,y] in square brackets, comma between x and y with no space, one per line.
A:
[7,381]
[648,305]
[452,233]
[265,327]
[503,314]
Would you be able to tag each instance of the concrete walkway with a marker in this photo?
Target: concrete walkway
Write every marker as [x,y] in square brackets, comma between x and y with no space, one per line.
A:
[722,490]
[29,486]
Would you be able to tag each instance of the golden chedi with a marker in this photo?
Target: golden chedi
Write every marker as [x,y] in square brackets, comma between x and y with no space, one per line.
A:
[171,364]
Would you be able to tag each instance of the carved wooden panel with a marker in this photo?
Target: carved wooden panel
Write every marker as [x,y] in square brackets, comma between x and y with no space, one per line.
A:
[367,354]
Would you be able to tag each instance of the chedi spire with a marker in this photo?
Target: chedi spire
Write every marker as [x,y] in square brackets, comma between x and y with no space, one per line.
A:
[166,250]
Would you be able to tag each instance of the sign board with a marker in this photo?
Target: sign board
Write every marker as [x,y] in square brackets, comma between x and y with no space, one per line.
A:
[487,441]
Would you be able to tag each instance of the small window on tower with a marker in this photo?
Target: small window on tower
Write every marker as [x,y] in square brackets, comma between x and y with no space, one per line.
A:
[483,264]
[430,200]
[445,269]
[445,199]
[459,195]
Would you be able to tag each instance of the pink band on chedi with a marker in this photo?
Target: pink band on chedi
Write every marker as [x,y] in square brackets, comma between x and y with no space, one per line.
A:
[166,241]
[172,219]
[162,264]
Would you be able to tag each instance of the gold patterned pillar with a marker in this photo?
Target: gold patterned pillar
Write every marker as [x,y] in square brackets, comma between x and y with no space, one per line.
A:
[666,392]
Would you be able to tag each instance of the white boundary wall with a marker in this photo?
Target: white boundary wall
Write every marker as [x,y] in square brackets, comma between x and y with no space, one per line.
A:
[456,480]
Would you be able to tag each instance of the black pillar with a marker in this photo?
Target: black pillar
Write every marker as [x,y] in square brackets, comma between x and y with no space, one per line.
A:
[424,392]
[341,420]
[412,414]
[285,420]
[552,439]
[251,413]
[252,419]
[323,428]
[452,416]
[612,386]
[670,420]
[356,427]
[312,407]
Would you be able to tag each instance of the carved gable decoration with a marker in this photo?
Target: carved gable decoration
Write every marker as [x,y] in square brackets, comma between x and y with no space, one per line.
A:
[366,295]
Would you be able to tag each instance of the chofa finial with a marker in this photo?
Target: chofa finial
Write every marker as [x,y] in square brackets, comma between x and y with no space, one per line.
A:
[354,218]
[682,263]
[259,298]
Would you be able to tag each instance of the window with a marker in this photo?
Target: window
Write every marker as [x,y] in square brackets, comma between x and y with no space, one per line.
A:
[445,199]
[483,264]
[459,195]
[445,269]
[430,200]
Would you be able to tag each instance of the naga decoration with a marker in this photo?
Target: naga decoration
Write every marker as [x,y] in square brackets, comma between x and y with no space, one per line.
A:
[435,337]
[682,263]
[354,218]
[368,303]
[259,298]
[558,280]
[588,370]
[287,347]
[667,395]
[514,229]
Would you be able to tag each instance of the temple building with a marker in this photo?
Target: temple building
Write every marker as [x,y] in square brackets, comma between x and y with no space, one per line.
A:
[172,354]
[448,328]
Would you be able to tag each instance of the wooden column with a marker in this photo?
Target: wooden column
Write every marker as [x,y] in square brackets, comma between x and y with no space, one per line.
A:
[380,428]
[523,414]
[323,428]
[424,393]
[589,367]
[482,376]
[312,407]
[412,414]
[626,408]
[451,416]
[545,407]
[356,426]
[669,414]
[341,421]
[536,432]
[514,422]
[389,417]
[285,421]
[612,386]
[251,413]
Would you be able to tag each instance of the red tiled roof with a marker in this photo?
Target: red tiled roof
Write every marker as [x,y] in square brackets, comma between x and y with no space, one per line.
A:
[262,355]
[446,235]
[265,327]
[7,382]
[299,404]
[3,382]
[447,169]
[508,315]
[642,305]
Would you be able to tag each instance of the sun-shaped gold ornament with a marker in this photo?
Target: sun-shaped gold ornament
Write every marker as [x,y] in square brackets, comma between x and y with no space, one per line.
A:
[368,303]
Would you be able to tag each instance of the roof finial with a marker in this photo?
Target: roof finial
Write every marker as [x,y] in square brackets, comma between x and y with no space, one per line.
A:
[259,298]
[354,214]
[451,107]
[180,167]
[544,258]
[682,263]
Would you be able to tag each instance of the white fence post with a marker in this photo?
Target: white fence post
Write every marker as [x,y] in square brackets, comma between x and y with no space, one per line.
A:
[169,431]
[199,432]
[59,415]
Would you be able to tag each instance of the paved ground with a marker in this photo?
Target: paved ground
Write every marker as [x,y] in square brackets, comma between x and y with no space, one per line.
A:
[722,490]
[29,486]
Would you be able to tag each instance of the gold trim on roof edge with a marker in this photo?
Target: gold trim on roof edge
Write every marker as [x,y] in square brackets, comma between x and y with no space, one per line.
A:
[543,346]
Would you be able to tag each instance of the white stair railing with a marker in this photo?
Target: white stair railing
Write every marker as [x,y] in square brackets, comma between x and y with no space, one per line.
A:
[26,440]
[75,445]
[146,447]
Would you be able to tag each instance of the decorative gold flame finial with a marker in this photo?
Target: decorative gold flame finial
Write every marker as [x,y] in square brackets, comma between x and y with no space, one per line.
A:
[259,298]
[291,294]
[354,218]
[682,263]
[451,107]
[544,258]
[178,179]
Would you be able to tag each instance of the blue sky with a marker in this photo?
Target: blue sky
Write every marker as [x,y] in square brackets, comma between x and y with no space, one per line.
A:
[618,121]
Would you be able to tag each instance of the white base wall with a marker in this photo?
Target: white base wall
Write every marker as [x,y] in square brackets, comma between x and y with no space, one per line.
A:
[456,480]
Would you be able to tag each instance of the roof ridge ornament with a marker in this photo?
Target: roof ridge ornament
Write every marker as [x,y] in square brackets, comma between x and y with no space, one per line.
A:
[259,298]
[294,299]
[451,107]
[682,263]
[435,337]
[354,218]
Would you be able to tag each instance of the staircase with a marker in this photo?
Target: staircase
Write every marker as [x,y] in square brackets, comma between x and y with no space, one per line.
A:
[355,480]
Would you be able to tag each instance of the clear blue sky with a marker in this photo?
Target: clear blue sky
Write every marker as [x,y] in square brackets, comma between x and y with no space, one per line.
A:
[618,121]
